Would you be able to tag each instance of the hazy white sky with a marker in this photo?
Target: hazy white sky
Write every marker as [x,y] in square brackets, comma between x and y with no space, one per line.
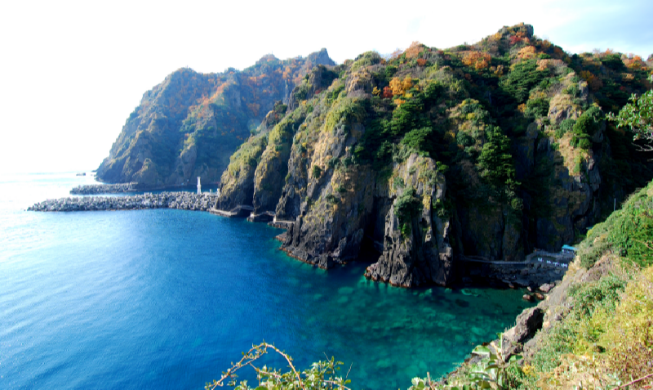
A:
[71,72]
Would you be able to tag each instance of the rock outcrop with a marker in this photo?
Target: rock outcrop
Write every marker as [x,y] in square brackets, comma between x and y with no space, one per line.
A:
[416,247]
[190,124]
[485,151]
[404,159]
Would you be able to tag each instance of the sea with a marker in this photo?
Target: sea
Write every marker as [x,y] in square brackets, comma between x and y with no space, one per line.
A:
[169,299]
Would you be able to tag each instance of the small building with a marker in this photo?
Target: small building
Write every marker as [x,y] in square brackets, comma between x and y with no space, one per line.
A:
[568,250]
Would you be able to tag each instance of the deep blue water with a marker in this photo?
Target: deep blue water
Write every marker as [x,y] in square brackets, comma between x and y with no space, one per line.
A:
[166,299]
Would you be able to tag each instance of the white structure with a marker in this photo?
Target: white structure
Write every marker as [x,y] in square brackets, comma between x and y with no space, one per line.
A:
[199,186]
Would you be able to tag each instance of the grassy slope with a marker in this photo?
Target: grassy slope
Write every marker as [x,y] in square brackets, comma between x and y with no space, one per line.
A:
[602,334]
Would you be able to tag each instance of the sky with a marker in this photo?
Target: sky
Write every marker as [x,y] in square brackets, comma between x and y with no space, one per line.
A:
[71,72]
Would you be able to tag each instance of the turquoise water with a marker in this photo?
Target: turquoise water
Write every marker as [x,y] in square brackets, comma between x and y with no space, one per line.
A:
[167,299]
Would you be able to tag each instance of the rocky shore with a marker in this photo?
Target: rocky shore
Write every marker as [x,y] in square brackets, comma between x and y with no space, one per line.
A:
[169,200]
[92,189]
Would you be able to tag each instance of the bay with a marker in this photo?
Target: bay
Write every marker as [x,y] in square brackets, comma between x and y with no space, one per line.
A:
[167,299]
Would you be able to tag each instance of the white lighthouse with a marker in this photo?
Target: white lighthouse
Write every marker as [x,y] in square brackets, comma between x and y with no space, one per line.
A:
[199,186]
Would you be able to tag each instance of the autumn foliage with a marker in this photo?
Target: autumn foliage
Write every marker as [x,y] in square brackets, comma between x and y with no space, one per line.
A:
[527,53]
[399,87]
[477,60]
[594,82]
[413,50]
[634,62]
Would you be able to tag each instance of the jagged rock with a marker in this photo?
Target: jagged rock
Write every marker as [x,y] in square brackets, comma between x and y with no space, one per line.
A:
[423,255]
[528,323]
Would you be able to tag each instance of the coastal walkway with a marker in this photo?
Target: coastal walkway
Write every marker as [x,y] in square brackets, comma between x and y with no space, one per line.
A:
[238,211]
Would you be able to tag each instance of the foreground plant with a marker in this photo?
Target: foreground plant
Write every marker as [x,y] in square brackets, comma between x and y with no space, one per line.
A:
[321,375]
[493,371]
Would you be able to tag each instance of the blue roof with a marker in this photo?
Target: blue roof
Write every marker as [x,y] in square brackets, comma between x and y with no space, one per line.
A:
[571,248]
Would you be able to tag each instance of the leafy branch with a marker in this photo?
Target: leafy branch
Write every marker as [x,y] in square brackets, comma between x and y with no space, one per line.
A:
[321,375]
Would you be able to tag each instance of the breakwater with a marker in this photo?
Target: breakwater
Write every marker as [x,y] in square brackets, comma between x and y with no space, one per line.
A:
[92,189]
[170,200]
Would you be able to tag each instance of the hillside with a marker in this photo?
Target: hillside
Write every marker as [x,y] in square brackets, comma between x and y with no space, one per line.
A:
[191,123]
[489,150]
[594,330]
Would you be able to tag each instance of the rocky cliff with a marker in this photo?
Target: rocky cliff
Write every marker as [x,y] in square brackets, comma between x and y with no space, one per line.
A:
[191,123]
[485,150]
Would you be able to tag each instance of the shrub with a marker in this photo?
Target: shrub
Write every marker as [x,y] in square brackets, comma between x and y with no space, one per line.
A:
[330,198]
[586,126]
[565,126]
[536,108]
[419,140]
[317,172]
[407,206]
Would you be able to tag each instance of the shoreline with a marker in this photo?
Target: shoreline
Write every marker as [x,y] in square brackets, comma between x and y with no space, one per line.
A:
[527,274]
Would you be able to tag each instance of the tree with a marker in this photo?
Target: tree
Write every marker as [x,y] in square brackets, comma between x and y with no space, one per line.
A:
[396,87]
[495,162]
[477,60]
[638,115]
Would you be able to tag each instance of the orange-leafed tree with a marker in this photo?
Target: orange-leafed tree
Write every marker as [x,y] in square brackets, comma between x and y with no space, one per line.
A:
[634,62]
[407,83]
[477,60]
[594,82]
[387,93]
[396,86]
[527,53]
[413,50]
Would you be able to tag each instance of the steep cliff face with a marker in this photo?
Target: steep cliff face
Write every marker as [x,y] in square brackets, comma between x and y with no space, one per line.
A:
[190,124]
[416,247]
[485,150]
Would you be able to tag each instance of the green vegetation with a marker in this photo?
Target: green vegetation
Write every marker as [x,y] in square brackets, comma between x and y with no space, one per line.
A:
[627,231]
[496,164]
[321,375]
[317,172]
[587,125]
[407,206]
[204,115]
[522,77]
[638,116]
